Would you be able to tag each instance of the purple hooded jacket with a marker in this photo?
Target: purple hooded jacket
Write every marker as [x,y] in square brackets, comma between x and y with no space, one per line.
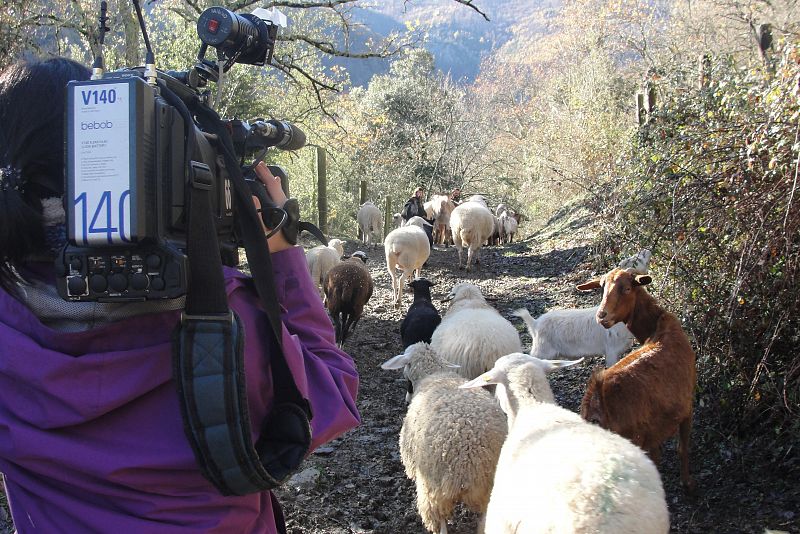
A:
[91,436]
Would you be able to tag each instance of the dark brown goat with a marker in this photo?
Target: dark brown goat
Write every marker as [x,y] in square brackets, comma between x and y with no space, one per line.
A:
[648,395]
[347,288]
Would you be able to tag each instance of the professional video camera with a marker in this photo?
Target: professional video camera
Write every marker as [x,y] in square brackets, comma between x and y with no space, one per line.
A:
[137,141]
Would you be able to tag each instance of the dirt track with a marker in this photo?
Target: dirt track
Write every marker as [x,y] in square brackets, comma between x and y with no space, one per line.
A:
[357,483]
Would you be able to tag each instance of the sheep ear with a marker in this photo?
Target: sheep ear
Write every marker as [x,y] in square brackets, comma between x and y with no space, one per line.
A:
[398,362]
[492,376]
[594,283]
[642,279]
[551,365]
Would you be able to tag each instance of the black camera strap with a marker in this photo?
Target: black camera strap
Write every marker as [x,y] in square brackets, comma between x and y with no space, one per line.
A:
[209,344]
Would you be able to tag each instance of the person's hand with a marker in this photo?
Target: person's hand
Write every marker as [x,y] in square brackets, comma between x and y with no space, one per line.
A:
[273,184]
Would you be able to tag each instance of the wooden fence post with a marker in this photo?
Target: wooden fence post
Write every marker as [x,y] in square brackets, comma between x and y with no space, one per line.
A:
[322,189]
[641,113]
[387,217]
[651,99]
[362,197]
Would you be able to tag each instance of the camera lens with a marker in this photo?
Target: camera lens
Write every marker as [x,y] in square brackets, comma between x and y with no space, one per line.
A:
[221,28]
[245,36]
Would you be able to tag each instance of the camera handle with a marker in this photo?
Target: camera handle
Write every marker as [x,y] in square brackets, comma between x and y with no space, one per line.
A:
[208,349]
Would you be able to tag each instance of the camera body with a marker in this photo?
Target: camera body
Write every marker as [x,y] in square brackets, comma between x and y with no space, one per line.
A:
[132,153]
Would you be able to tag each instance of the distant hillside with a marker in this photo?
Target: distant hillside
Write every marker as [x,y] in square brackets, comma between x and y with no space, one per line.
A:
[457,36]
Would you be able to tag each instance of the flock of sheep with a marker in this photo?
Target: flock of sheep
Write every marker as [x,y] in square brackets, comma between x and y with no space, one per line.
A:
[346,285]
[482,426]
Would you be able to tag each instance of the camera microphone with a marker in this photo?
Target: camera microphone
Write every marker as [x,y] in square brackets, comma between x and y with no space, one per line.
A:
[280,134]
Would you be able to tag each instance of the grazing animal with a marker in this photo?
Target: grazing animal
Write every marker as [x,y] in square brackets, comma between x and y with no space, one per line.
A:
[321,259]
[422,317]
[370,221]
[509,224]
[639,262]
[558,473]
[450,439]
[348,287]
[440,209]
[648,395]
[573,334]
[407,248]
[471,224]
[472,333]
[397,220]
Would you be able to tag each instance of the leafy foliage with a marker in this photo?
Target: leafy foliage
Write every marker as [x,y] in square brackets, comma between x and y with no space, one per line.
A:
[711,186]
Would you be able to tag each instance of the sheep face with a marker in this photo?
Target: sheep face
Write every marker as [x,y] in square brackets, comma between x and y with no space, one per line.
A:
[463,291]
[527,373]
[420,283]
[620,288]
[337,245]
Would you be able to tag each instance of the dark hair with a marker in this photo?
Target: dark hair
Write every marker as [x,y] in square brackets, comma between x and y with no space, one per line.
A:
[32,98]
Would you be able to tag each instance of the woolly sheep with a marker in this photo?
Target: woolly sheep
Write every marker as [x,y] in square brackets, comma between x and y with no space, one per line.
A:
[370,221]
[321,259]
[480,199]
[422,317]
[574,333]
[407,248]
[648,395]
[557,473]
[509,224]
[450,439]
[471,224]
[472,334]
[397,220]
[348,287]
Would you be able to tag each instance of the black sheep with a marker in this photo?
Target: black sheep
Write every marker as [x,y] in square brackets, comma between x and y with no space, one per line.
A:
[422,317]
[347,288]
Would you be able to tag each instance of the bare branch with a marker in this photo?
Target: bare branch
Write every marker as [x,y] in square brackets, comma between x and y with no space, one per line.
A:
[330,49]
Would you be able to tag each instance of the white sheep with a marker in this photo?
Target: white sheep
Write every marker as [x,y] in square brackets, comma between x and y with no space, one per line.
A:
[639,262]
[397,220]
[321,259]
[439,208]
[450,439]
[558,473]
[509,226]
[471,224]
[473,334]
[501,208]
[370,221]
[575,333]
[407,248]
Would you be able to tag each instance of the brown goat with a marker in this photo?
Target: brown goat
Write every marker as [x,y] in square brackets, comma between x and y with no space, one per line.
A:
[647,396]
[347,287]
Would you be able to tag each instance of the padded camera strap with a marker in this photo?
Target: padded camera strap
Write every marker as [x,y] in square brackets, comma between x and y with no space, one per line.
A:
[209,344]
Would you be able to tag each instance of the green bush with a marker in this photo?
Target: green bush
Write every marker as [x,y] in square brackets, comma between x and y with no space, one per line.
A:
[711,186]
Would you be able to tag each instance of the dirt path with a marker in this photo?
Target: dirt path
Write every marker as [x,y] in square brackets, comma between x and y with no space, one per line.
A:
[358,485]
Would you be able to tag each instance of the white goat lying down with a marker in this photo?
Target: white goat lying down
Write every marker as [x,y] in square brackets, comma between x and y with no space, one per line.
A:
[575,333]
[559,474]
